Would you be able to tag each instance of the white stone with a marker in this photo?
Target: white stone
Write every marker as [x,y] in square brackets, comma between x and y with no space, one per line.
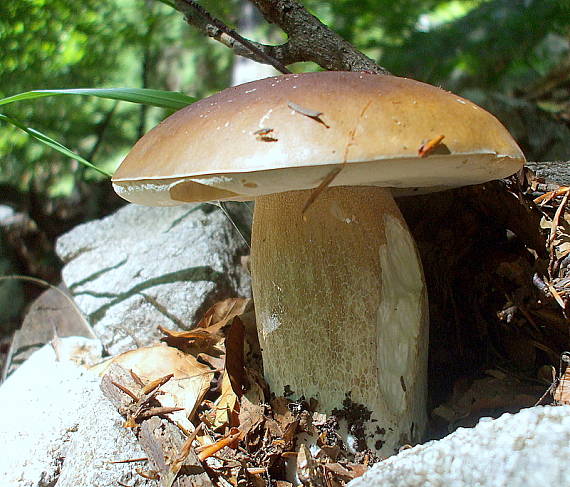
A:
[58,429]
[530,448]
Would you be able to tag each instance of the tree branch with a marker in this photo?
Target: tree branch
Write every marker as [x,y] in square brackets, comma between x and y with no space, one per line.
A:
[311,40]
[308,38]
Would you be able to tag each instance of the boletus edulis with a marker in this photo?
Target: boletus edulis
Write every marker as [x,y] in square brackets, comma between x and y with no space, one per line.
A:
[338,286]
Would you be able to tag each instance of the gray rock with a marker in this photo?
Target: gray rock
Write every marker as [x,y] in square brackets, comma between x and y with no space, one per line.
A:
[144,267]
[530,448]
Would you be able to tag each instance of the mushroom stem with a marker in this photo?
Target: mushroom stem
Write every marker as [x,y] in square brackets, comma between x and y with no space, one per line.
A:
[342,309]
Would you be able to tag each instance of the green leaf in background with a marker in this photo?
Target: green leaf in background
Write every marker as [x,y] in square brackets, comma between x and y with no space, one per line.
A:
[157,98]
[52,143]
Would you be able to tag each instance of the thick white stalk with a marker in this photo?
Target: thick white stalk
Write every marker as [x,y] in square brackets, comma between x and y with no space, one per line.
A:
[341,307]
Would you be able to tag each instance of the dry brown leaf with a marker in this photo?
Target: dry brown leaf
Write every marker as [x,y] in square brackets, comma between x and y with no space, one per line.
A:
[186,389]
[562,393]
[223,311]
[235,362]
[209,330]
[226,406]
[258,389]
[281,412]
[216,363]
[308,469]
[204,338]
[345,473]
[250,416]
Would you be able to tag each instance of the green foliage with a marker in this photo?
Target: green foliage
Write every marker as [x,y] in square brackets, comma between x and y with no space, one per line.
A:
[496,54]
[157,98]
[163,99]
[493,46]
[55,44]
[51,143]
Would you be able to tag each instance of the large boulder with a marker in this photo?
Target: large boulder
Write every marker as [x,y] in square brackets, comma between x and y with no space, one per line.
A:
[144,267]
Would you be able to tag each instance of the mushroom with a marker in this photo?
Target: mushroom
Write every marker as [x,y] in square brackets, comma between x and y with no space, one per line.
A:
[339,291]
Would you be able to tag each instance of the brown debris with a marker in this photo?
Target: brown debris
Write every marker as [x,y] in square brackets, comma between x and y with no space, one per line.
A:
[315,115]
[329,178]
[239,438]
[561,393]
[161,440]
[428,147]
[235,360]
[265,135]
[144,404]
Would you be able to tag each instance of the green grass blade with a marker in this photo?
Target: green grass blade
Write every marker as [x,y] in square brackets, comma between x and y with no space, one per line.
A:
[157,98]
[52,143]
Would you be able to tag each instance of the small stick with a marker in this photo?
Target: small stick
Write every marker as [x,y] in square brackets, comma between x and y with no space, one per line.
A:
[430,145]
[210,450]
[233,34]
[132,460]
[132,395]
[335,172]
[155,384]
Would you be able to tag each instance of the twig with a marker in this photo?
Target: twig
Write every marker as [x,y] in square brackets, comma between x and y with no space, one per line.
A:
[329,178]
[554,228]
[130,460]
[254,48]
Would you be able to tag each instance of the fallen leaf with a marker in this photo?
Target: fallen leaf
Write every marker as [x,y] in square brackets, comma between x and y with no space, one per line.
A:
[250,416]
[346,474]
[235,363]
[225,406]
[187,388]
[562,393]
[202,338]
[223,311]
[208,332]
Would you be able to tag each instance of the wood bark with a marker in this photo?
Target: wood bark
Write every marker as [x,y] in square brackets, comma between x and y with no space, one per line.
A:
[552,171]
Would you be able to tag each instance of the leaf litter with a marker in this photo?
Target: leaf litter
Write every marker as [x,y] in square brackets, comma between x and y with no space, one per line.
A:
[240,434]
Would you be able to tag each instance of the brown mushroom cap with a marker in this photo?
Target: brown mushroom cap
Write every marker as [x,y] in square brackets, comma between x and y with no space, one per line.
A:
[289,132]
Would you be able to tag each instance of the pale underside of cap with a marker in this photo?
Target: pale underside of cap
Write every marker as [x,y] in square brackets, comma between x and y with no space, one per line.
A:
[289,132]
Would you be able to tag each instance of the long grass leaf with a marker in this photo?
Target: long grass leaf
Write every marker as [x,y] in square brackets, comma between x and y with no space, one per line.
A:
[157,98]
[54,144]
